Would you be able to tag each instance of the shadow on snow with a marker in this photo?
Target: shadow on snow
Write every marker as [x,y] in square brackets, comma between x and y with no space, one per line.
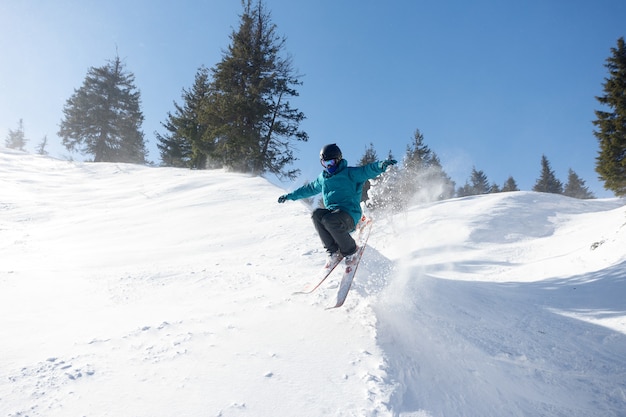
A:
[491,349]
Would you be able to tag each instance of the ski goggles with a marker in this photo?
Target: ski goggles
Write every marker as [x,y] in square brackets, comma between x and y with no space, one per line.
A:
[329,163]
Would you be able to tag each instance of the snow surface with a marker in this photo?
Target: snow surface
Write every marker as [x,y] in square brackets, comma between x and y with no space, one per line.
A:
[136,291]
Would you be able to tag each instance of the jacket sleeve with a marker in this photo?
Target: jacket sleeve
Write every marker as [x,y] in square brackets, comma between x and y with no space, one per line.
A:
[308,190]
[369,171]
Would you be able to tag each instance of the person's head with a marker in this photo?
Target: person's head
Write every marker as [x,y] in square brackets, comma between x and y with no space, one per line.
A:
[330,156]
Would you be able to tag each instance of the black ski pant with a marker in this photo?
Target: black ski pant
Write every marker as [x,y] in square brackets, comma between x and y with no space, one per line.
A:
[334,227]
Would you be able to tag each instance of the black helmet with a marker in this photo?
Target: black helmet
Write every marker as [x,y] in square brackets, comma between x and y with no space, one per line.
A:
[331,151]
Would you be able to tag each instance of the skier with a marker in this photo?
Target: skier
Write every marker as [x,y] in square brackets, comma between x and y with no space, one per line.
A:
[341,188]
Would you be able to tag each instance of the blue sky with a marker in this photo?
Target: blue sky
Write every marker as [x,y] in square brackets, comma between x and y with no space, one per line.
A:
[490,84]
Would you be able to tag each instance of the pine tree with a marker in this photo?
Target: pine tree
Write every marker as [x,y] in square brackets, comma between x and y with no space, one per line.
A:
[576,188]
[465,190]
[479,182]
[184,145]
[420,178]
[547,182]
[251,123]
[422,174]
[16,138]
[384,192]
[418,154]
[510,185]
[368,157]
[440,180]
[103,117]
[41,148]
[611,133]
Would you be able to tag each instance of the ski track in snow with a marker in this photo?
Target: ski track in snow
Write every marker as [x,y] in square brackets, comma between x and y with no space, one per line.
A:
[135,291]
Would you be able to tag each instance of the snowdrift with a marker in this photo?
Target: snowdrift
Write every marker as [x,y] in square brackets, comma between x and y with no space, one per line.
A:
[135,291]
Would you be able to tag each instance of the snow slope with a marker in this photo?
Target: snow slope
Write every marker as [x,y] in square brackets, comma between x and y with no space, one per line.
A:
[135,291]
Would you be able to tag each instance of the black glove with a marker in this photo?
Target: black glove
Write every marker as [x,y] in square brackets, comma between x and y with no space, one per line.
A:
[282,198]
[388,162]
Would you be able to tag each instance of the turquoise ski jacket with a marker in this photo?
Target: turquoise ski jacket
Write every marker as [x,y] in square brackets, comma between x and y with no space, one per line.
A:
[342,189]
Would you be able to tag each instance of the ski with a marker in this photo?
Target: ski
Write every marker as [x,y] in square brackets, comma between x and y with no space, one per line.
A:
[329,267]
[350,271]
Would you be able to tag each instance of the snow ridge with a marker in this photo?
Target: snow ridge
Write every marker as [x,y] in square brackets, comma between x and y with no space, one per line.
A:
[128,290]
